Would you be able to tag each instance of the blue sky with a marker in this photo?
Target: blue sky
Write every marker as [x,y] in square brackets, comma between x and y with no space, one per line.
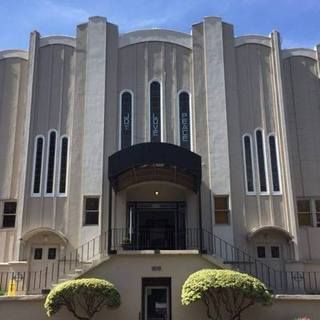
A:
[298,21]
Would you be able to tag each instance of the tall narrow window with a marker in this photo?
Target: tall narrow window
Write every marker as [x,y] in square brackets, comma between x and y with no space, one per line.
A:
[155,111]
[261,161]
[184,117]
[247,153]
[126,119]
[63,165]
[274,163]
[37,165]
[51,162]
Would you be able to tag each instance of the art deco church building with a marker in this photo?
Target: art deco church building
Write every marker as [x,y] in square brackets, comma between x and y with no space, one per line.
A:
[143,157]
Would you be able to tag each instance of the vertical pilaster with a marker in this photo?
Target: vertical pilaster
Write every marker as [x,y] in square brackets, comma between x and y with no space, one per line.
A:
[318,58]
[94,108]
[218,141]
[94,118]
[281,131]
[30,96]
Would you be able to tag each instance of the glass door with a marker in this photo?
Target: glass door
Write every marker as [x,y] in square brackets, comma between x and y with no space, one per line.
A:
[156,303]
[156,225]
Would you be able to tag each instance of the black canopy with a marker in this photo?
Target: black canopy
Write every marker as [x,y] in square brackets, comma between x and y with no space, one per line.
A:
[154,161]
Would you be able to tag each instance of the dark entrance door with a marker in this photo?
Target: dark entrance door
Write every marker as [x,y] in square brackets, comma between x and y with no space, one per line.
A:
[157,225]
[156,298]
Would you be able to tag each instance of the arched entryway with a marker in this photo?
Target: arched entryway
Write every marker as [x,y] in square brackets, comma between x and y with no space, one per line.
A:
[156,190]
[271,245]
[43,248]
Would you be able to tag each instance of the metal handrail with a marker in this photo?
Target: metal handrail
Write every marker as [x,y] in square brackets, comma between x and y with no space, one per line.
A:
[278,281]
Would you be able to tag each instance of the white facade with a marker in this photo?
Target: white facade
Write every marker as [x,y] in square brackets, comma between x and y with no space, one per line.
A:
[249,108]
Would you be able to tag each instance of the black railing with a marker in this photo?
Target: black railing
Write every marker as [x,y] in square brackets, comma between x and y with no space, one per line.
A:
[38,280]
[155,239]
[278,281]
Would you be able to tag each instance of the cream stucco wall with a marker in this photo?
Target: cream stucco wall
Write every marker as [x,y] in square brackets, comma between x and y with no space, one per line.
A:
[284,308]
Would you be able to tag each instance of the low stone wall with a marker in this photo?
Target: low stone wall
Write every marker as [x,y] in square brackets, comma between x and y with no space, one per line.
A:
[284,308]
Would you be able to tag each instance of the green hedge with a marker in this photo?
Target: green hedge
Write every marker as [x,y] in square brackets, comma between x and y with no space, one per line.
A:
[199,282]
[225,294]
[100,293]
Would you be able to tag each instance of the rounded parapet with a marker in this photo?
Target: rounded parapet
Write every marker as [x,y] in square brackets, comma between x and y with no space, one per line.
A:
[61,40]
[299,52]
[178,38]
[253,39]
[270,228]
[20,54]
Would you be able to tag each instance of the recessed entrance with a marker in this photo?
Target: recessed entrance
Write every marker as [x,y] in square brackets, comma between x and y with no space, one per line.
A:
[156,298]
[156,225]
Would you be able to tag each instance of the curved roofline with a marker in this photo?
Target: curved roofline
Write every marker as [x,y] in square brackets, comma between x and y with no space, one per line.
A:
[161,35]
[252,39]
[159,154]
[29,234]
[257,230]
[14,53]
[299,52]
[62,40]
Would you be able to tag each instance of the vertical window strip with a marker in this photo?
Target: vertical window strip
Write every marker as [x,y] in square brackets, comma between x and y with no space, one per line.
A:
[248,162]
[37,165]
[51,162]
[63,165]
[274,163]
[126,120]
[261,161]
[185,123]
[155,111]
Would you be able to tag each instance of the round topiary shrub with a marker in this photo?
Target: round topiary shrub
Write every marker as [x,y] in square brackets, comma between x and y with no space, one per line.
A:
[225,293]
[82,297]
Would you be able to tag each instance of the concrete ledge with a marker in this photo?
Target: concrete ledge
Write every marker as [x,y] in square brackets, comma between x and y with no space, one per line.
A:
[155,252]
[161,35]
[306,297]
[20,54]
[252,39]
[36,297]
[62,40]
[16,263]
[299,52]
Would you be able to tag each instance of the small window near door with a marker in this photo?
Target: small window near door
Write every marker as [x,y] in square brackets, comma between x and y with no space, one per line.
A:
[261,252]
[221,209]
[91,214]
[52,253]
[275,252]
[9,214]
[37,254]
[304,212]
[318,212]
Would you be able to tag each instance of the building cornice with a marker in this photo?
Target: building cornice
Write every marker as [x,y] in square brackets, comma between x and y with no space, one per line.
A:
[159,35]
[20,54]
[299,52]
[252,39]
[60,40]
